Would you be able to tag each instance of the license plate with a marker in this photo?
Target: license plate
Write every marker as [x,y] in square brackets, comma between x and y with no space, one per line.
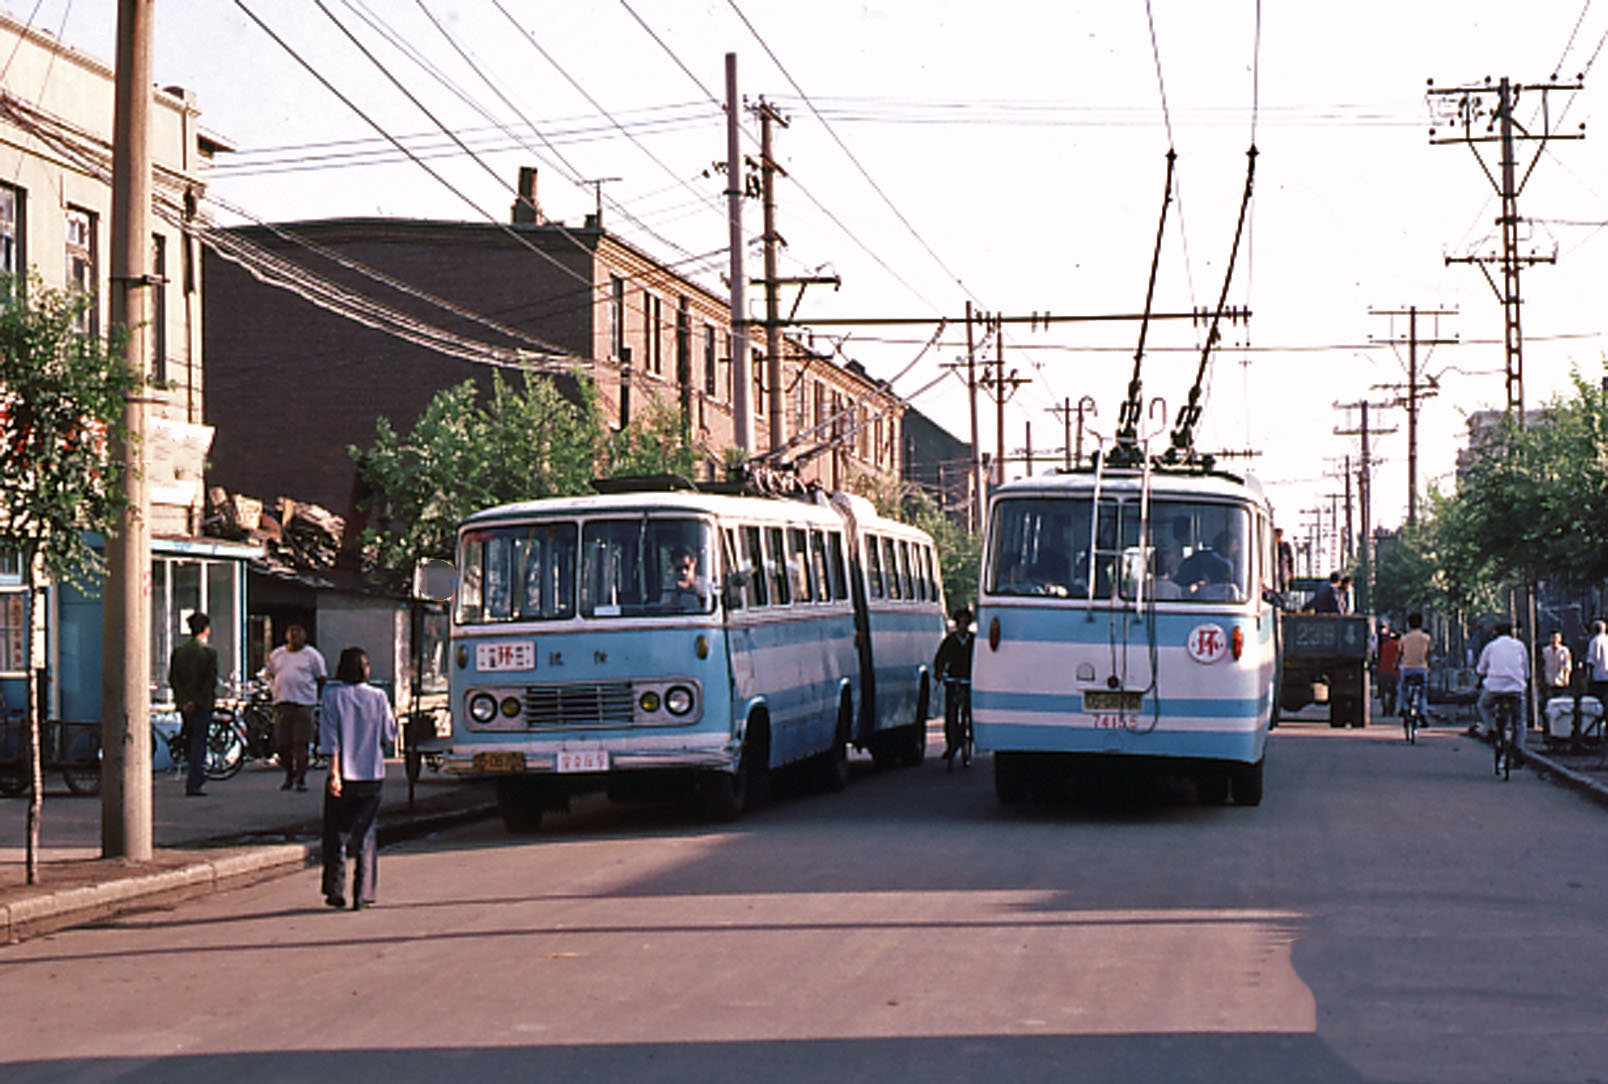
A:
[499,762]
[1111,700]
[595,760]
[515,655]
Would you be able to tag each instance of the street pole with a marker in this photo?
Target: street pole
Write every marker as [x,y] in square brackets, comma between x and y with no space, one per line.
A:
[742,410]
[976,446]
[773,328]
[126,614]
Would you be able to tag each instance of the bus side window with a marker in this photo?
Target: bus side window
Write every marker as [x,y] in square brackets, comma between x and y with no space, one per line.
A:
[923,573]
[823,579]
[890,567]
[834,566]
[758,589]
[798,562]
[777,566]
[873,572]
[907,572]
[735,588]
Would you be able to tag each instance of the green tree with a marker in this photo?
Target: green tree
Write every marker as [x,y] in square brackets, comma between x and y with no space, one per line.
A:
[62,393]
[656,442]
[529,441]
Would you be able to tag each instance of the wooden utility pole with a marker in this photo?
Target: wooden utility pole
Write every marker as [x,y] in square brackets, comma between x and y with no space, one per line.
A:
[1415,389]
[1476,110]
[1364,486]
[742,407]
[126,601]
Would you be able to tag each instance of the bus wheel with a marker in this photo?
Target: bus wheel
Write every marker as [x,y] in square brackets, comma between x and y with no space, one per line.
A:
[913,740]
[1247,780]
[756,765]
[722,794]
[834,763]
[1010,778]
[1211,786]
[519,801]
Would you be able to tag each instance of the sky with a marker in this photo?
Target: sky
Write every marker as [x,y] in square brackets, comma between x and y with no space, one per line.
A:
[1009,154]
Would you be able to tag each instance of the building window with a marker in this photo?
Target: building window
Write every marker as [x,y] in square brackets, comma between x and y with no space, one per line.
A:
[758,383]
[13,632]
[711,380]
[81,270]
[159,355]
[13,260]
[616,317]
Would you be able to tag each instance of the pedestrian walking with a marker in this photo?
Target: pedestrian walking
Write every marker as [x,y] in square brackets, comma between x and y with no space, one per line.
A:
[1597,662]
[193,677]
[1387,668]
[1557,664]
[355,724]
[297,673]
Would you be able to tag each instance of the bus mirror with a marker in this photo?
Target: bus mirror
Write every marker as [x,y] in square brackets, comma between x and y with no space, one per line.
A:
[434,580]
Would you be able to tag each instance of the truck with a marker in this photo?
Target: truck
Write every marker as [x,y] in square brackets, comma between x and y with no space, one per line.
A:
[1324,657]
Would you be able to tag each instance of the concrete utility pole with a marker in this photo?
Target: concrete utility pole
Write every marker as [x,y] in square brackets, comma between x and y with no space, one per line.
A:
[1477,110]
[768,118]
[976,437]
[1414,389]
[1364,485]
[742,407]
[126,600]
[1004,388]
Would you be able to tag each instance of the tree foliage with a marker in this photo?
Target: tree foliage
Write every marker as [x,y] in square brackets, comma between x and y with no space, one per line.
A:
[62,393]
[959,551]
[529,441]
[656,442]
[1532,504]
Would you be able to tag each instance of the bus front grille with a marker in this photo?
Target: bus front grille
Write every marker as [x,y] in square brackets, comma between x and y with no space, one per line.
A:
[586,704]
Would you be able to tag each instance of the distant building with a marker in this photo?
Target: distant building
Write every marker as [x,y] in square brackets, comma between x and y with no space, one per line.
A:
[938,464]
[56,107]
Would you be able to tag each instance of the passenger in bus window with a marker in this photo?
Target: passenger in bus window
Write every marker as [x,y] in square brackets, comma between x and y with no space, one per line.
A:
[690,591]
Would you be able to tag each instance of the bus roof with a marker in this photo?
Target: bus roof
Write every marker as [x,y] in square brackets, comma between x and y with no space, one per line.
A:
[688,502]
[1163,481]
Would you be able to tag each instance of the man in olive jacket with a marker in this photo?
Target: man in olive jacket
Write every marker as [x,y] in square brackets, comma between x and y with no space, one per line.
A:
[193,676]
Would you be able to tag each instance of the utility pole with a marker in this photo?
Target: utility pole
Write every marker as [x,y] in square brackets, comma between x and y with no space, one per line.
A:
[768,118]
[1413,389]
[126,599]
[1066,411]
[1364,485]
[1477,110]
[976,437]
[1004,387]
[742,408]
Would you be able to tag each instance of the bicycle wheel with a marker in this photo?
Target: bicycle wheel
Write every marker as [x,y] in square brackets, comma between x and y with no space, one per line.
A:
[226,746]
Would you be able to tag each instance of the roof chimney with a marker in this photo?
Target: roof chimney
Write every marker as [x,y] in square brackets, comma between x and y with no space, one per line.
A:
[526,210]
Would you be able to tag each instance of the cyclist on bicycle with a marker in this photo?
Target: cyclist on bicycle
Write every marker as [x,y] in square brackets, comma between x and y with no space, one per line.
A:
[1504,670]
[1414,661]
[953,665]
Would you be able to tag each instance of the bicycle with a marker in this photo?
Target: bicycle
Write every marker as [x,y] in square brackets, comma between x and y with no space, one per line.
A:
[1412,706]
[1506,714]
[226,742]
[958,720]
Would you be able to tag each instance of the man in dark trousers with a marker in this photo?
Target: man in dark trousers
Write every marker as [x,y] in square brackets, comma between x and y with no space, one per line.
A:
[193,676]
[953,665]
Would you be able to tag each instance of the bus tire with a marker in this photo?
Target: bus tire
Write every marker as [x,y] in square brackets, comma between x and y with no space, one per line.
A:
[1247,780]
[913,741]
[519,803]
[722,794]
[1010,778]
[833,765]
[756,765]
[1211,786]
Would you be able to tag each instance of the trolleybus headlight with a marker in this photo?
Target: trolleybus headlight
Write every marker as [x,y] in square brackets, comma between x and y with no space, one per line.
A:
[482,707]
[649,702]
[510,706]
[678,700]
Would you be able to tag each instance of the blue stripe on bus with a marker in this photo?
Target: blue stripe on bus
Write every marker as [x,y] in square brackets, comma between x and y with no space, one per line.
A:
[1060,704]
[1243,746]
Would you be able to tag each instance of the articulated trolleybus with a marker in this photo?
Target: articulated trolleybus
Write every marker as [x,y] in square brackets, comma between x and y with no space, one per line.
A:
[1124,619]
[639,641]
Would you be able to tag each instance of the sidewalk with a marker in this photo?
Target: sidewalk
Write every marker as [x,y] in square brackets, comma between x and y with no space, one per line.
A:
[245,829]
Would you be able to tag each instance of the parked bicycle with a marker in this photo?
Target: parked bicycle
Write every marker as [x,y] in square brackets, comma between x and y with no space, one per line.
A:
[1412,705]
[72,749]
[226,742]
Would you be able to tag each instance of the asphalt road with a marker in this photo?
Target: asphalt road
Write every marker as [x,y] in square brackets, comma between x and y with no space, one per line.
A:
[1390,913]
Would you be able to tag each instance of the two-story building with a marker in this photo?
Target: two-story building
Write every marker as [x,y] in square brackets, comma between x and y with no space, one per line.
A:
[56,107]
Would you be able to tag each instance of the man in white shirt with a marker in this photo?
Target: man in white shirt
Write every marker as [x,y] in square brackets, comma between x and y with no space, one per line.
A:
[1597,661]
[1504,669]
[297,674]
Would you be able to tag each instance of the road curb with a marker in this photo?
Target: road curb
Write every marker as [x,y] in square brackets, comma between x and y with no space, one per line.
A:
[50,910]
[1577,781]
[237,861]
